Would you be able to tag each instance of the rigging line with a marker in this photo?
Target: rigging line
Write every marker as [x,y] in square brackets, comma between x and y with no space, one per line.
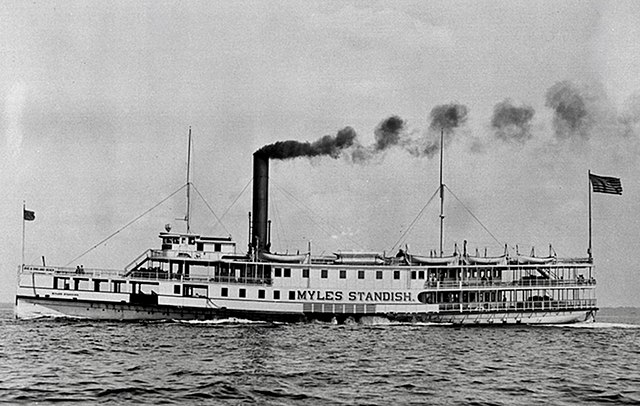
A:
[474,216]
[126,225]
[309,212]
[236,199]
[210,209]
[415,220]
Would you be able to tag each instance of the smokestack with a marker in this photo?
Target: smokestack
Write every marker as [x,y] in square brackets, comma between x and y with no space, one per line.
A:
[260,200]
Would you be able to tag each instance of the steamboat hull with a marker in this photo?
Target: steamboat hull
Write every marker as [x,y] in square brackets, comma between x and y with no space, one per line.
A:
[35,308]
[282,292]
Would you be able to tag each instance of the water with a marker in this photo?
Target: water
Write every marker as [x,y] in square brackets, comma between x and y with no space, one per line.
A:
[85,362]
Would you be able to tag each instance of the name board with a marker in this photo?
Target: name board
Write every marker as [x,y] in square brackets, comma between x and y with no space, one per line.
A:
[353,296]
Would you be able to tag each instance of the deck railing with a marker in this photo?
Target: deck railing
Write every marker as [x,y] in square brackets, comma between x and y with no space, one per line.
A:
[515,306]
[500,284]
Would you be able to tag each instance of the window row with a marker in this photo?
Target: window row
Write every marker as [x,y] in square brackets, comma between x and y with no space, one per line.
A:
[324,273]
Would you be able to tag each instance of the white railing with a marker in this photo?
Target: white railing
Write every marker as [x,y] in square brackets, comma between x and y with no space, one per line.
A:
[500,284]
[520,305]
[68,271]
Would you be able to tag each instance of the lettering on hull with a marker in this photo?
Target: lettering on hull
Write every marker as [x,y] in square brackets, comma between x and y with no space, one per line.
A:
[353,296]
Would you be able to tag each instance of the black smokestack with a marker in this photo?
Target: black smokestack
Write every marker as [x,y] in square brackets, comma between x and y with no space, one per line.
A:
[260,201]
[512,123]
[327,145]
[570,111]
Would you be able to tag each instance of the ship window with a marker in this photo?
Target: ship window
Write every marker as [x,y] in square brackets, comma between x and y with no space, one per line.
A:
[176,289]
[287,272]
[261,294]
[200,247]
[96,286]
[420,274]
[192,240]
[413,274]
[292,295]
[278,272]
[117,287]
[224,292]
[324,274]
[396,274]
[378,274]
[305,273]
[343,274]
[217,247]
[361,274]
[276,294]
[242,293]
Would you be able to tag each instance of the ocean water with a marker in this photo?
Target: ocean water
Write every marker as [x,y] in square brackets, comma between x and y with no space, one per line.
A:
[235,362]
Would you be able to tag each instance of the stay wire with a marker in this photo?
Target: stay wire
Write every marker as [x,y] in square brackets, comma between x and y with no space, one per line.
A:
[474,216]
[237,198]
[211,210]
[126,225]
[414,220]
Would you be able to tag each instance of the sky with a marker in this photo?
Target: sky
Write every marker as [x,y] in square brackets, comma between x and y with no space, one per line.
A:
[96,102]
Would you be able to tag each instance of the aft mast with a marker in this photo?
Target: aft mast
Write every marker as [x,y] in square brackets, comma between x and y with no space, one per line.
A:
[441,193]
[187,217]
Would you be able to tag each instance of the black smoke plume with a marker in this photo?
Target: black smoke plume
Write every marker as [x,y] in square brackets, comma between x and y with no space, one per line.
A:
[448,117]
[328,145]
[445,118]
[570,111]
[388,133]
[512,123]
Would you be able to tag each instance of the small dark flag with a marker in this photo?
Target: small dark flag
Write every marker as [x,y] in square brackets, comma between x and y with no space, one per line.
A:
[605,184]
[29,215]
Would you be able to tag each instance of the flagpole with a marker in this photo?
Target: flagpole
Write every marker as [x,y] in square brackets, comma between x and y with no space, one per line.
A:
[24,207]
[589,250]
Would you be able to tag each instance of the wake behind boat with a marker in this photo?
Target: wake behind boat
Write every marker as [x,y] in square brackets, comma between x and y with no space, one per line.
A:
[196,277]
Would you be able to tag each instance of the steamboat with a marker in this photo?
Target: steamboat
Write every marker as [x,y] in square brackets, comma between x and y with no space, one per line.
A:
[198,277]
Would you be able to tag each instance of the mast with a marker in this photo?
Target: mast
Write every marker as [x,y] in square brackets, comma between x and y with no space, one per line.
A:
[24,207]
[441,191]
[187,217]
[589,249]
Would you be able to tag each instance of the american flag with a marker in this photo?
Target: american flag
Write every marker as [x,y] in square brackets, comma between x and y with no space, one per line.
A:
[605,184]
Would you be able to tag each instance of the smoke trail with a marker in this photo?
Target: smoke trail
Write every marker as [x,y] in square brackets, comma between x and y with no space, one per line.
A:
[327,145]
[445,118]
[630,116]
[570,111]
[388,133]
[512,123]
[448,117]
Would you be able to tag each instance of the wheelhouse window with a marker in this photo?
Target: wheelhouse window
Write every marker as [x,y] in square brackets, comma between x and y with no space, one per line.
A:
[396,274]
[305,273]
[343,274]
[378,274]
[421,275]
[360,274]
[277,272]
[287,272]
[324,273]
